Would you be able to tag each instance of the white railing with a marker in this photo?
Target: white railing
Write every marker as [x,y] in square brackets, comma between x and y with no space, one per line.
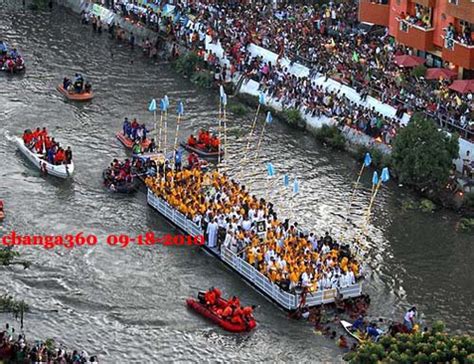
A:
[285,299]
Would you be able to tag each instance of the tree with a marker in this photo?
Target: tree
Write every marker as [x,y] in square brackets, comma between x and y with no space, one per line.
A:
[423,155]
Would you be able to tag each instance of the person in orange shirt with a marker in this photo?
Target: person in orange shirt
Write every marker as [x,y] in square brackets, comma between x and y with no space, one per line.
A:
[192,142]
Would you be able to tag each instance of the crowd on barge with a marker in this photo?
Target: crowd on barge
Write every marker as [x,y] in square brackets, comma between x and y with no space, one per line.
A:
[326,39]
[15,348]
[229,215]
[40,142]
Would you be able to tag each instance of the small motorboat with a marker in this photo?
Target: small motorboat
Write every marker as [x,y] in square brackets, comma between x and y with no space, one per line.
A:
[74,96]
[205,311]
[2,213]
[60,171]
[125,188]
[354,333]
[201,152]
[128,143]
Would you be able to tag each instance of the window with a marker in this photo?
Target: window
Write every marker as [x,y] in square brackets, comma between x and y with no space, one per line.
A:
[454,2]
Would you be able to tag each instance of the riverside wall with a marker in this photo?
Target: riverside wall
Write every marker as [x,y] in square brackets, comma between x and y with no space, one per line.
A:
[251,87]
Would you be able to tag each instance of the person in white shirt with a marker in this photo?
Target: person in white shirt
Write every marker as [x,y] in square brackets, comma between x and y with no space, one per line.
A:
[409,319]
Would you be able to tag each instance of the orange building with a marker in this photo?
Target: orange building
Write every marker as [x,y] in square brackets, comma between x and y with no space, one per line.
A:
[442,31]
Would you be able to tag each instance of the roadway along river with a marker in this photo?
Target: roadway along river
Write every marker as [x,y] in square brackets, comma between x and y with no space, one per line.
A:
[128,305]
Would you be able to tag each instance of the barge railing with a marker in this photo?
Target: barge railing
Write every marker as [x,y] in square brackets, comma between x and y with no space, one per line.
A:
[286,300]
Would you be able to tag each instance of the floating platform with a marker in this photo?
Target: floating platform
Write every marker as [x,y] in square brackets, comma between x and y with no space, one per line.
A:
[286,300]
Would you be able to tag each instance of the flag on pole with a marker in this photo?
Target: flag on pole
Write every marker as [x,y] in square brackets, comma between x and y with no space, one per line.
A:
[375,178]
[286,180]
[296,187]
[224,99]
[167,101]
[367,159]
[270,170]
[385,175]
[261,98]
[163,106]
[180,108]
[269,118]
[221,91]
[152,106]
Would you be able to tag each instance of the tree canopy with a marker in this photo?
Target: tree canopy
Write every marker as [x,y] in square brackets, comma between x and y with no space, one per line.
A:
[423,155]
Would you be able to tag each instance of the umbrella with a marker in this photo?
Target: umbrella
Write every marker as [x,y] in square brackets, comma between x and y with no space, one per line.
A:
[463,86]
[408,61]
[437,73]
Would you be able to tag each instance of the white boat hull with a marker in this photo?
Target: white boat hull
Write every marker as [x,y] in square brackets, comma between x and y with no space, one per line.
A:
[60,171]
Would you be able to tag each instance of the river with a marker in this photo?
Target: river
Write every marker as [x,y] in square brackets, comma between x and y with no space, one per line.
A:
[127,305]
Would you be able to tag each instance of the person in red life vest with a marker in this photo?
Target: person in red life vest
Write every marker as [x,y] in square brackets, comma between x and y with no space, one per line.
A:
[43,134]
[234,301]
[48,143]
[237,316]
[227,312]
[27,137]
[201,136]
[214,143]
[39,145]
[193,160]
[59,157]
[248,313]
[210,297]
[192,142]
[36,133]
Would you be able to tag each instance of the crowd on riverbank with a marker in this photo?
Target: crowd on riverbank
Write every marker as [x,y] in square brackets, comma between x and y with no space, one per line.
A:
[324,38]
[229,215]
[15,348]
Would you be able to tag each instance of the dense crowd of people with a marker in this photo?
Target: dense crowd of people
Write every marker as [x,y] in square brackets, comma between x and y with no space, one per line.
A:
[326,39]
[10,60]
[14,348]
[41,143]
[231,216]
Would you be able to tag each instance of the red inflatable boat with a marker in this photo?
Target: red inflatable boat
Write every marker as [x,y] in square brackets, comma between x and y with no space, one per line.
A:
[127,142]
[225,324]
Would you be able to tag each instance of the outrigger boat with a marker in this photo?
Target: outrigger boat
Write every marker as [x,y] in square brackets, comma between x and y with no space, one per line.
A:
[205,311]
[128,143]
[60,171]
[74,96]
[201,152]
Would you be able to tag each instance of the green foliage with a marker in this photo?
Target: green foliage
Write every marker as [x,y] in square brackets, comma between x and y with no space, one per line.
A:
[427,205]
[293,117]
[422,155]
[50,344]
[433,346]
[237,108]
[419,71]
[379,159]
[8,257]
[203,79]
[332,136]
[466,224]
[8,304]
[188,63]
